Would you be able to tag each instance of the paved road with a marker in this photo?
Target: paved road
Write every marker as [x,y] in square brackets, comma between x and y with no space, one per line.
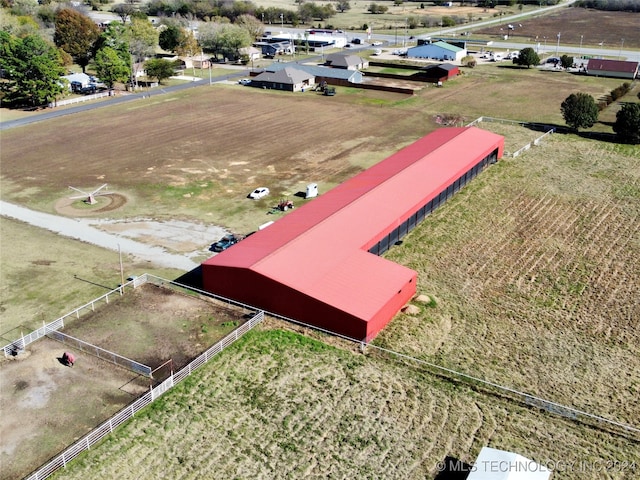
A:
[80,229]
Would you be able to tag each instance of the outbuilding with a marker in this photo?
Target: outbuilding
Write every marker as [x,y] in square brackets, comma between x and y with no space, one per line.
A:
[321,264]
[612,68]
[439,73]
[441,51]
[494,464]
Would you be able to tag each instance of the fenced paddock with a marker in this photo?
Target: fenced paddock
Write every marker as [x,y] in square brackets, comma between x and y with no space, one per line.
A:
[129,411]
[151,323]
[534,127]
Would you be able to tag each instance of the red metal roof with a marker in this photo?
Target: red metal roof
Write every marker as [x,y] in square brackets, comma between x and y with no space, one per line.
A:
[320,249]
[598,64]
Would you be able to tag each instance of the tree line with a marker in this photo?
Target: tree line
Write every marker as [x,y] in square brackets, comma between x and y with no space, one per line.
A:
[31,63]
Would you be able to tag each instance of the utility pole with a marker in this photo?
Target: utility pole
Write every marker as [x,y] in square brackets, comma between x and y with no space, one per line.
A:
[620,52]
[121,270]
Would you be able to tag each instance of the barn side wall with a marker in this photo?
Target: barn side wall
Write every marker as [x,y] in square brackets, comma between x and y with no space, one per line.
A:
[251,288]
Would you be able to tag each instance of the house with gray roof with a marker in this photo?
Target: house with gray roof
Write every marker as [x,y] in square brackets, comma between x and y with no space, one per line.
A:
[288,78]
[321,73]
[347,61]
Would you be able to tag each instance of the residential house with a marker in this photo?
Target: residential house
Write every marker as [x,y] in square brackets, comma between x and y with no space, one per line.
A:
[347,61]
[252,53]
[333,76]
[289,78]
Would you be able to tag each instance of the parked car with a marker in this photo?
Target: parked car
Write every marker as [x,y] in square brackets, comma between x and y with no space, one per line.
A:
[224,243]
[244,81]
[376,44]
[259,193]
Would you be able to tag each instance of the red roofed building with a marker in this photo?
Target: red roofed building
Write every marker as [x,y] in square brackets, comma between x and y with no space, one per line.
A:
[319,264]
[612,68]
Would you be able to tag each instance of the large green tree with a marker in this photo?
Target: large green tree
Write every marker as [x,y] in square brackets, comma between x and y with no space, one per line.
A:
[579,110]
[527,57]
[159,68]
[169,38]
[110,66]
[627,125]
[75,34]
[142,38]
[32,69]
[251,24]
[115,36]
[224,39]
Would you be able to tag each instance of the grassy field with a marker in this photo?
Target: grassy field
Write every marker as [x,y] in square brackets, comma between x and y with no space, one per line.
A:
[280,405]
[74,273]
[533,268]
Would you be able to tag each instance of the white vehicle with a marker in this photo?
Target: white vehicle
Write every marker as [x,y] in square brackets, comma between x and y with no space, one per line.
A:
[244,81]
[376,44]
[377,51]
[496,57]
[259,193]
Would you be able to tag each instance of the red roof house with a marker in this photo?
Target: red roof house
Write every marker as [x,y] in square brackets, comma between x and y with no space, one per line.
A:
[319,264]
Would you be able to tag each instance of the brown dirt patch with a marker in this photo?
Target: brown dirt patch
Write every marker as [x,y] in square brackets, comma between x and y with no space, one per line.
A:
[77,208]
[52,405]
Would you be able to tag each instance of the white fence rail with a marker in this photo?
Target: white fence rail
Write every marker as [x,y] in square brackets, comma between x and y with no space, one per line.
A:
[84,98]
[19,344]
[101,353]
[130,410]
[521,150]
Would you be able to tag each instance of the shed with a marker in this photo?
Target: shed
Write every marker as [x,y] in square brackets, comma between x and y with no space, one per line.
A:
[437,51]
[321,264]
[252,53]
[439,73]
[612,68]
[288,78]
[494,464]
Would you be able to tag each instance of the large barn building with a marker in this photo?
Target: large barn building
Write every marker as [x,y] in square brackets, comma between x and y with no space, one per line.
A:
[320,264]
